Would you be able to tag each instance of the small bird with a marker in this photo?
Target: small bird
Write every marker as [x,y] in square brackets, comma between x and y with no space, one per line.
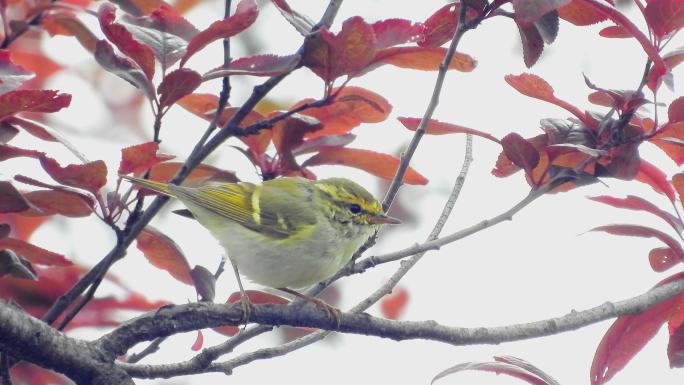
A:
[286,233]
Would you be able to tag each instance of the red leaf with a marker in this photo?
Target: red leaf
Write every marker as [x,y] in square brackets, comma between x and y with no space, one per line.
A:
[90,176]
[644,232]
[394,304]
[420,58]
[9,152]
[7,132]
[33,128]
[51,202]
[245,14]
[675,112]
[632,202]
[346,53]
[11,200]
[392,32]
[678,184]
[34,254]
[615,31]
[654,177]
[579,13]
[536,87]
[664,16]
[435,127]
[669,139]
[380,165]
[351,107]
[440,26]
[67,24]
[124,41]
[162,252]
[123,68]
[139,158]
[628,335]
[259,65]
[528,11]
[663,258]
[532,43]
[177,84]
[12,75]
[168,19]
[521,152]
[22,226]
[203,173]
[675,346]
[288,134]
[255,297]
[199,341]
[301,22]
[674,58]
[32,101]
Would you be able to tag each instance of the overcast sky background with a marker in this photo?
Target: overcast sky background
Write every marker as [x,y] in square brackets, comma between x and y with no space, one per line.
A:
[540,265]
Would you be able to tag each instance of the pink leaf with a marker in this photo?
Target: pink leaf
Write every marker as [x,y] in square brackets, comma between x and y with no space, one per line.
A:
[177,84]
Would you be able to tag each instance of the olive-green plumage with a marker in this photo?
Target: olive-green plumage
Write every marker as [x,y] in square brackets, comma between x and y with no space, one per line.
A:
[286,232]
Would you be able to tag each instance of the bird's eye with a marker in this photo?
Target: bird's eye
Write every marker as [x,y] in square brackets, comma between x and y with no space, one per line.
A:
[354,208]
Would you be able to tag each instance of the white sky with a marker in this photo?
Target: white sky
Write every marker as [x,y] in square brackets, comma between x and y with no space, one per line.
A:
[539,265]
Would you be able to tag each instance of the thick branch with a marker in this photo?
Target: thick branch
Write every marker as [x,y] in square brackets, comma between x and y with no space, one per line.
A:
[27,338]
[189,317]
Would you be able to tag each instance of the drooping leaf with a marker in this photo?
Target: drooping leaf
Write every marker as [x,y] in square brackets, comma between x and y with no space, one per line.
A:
[656,178]
[177,84]
[16,101]
[532,43]
[139,158]
[632,202]
[628,335]
[162,252]
[34,254]
[245,14]
[645,232]
[288,134]
[140,53]
[90,176]
[378,164]
[199,342]
[394,304]
[521,152]
[536,87]
[9,152]
[11,200]
[435,127]
[123,68]
[50,202]
[12,75]
[664,16]
[259,65]
[529,11]
[351,107]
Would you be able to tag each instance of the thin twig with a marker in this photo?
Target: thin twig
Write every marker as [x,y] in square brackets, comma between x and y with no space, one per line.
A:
[151,348]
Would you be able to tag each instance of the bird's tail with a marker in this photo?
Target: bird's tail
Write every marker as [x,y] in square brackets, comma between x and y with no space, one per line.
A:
[162,188]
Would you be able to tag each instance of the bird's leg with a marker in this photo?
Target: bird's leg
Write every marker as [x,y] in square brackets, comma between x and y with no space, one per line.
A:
[331,310]
[244,299]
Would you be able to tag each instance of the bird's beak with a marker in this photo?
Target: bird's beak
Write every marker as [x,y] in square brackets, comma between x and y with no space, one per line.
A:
[380,219]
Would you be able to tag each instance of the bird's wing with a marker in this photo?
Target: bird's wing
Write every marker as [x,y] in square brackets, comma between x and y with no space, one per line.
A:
[278,211]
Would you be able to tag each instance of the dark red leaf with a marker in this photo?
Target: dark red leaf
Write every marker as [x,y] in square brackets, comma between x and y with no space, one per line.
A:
[162,252]
[675,112]
[288,134]
[674,58]
[259,65]
[245,14]
[9,152]
[675,346]
[644,232]
[33,128]
[394,304]
[15,265]
[177,84]
[168,19]
[532,43]
[678,184]
[435,127]
[11,200]
[50,202]
[351,107]
[528,11]
[7,132]
[90,176]
[521,152]
[440,26]
[632,202]
[670,139]
[615,31]
[34,254]
[122,67]
[664,16]
[656,178]
[393,32]
[204,282]
[141,157]
[32,101]
[124,41]
[12,75]
[380,165]
[628,335]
